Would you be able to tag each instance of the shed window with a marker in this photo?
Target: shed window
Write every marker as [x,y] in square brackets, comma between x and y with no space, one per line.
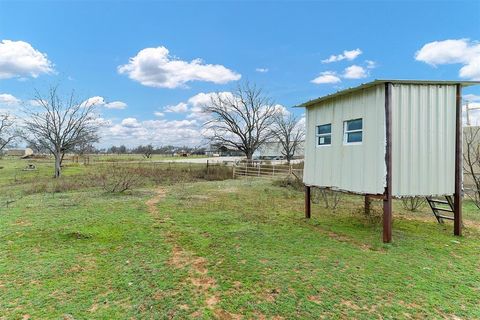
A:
[324,135]
[353,131]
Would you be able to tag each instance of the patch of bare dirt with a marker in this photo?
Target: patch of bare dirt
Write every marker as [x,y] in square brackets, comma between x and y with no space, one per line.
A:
[152,202]
[22,223]
[197,268]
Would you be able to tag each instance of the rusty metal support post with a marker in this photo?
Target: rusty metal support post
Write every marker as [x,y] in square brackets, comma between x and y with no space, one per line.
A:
[368,203]
[307,202]
[387,199]
[457,224]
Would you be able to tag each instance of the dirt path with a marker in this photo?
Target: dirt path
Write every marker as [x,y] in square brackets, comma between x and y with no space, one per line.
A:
[196,266]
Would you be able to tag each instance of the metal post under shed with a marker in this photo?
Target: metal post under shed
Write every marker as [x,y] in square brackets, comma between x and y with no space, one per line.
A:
[387,195]
[457,209]
[307,202]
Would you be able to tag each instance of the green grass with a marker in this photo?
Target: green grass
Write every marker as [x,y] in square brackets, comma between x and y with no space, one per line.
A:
[92,255]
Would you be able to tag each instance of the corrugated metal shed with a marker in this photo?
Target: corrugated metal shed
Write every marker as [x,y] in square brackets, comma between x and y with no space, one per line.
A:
[357,168]
[423,138]
[383,81]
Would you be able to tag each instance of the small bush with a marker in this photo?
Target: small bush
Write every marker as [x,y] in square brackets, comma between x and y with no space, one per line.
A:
[290,182]
[118,179]
[372,217]
[330,198]
[412,203]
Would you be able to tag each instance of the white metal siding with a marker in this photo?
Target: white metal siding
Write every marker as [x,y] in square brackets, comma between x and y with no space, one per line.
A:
[423,139]
[355,168]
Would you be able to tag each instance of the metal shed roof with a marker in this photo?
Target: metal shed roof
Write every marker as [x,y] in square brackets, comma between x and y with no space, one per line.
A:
[380,81]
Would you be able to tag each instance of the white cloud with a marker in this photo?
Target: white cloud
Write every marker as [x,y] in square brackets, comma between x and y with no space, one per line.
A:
[471,97]
[354,72]
[347,55]
[261,70]
[131,131]
[130,123]
[96,100]
[453,51]
[200,100]
[154,67]
[9,100]
[20,59]
[327,77]
[281,109]
[159,114]
[36,103]
[178,108]
[116,105]
[371,64]
[100,102]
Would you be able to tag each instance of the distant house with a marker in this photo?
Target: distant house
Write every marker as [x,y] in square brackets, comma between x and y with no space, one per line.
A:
[25,152]
[274,151]
[218,150]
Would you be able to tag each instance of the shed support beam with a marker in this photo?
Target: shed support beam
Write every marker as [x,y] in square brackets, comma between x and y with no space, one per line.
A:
[457,224]
[368,202]
[307,202]
[387,196]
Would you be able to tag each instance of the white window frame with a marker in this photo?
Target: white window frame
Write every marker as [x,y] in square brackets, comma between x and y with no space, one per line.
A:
[346,132]
[319,135]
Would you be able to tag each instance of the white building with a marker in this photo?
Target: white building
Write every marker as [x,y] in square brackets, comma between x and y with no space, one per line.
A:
[275,151]
[387,138]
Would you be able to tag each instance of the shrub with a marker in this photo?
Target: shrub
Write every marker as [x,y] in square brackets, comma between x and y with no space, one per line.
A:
[290,182]
[412,203]
[117,178]
[329,198]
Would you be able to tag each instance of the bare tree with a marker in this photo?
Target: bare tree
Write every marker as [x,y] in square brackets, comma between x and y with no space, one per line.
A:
[471,161]
[241,120]
[61,125]
[8,131]
[146,151]
[290,133]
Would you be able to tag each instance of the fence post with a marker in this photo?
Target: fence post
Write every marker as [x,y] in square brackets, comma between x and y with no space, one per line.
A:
[273,170]
[258,171]
[207,169]
[246,168]
[233,171]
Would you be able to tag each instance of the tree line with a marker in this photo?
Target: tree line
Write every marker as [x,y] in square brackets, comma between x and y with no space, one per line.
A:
[244,120]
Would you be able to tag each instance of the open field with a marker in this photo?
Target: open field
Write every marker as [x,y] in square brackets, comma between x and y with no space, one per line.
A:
[183,248]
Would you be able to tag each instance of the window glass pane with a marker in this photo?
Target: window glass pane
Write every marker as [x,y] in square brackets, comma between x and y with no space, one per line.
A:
[354,124]
[324,140]
[326,128]
[354,137]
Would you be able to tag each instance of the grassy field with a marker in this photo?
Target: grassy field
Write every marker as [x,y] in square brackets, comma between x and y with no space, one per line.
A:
[222,249]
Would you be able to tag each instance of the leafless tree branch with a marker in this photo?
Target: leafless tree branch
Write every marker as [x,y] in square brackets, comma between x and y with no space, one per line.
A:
[289,132]
[60,126]
[241,121]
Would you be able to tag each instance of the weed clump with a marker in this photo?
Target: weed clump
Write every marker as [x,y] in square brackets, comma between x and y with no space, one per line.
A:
[78,235]
[290,182]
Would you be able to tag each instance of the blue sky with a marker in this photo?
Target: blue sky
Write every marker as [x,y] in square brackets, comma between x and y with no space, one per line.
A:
[281,46]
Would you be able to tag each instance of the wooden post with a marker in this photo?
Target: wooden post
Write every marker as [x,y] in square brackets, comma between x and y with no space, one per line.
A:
[307,202]
[368,202]
[457,204]
[387,196]
[207,169]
